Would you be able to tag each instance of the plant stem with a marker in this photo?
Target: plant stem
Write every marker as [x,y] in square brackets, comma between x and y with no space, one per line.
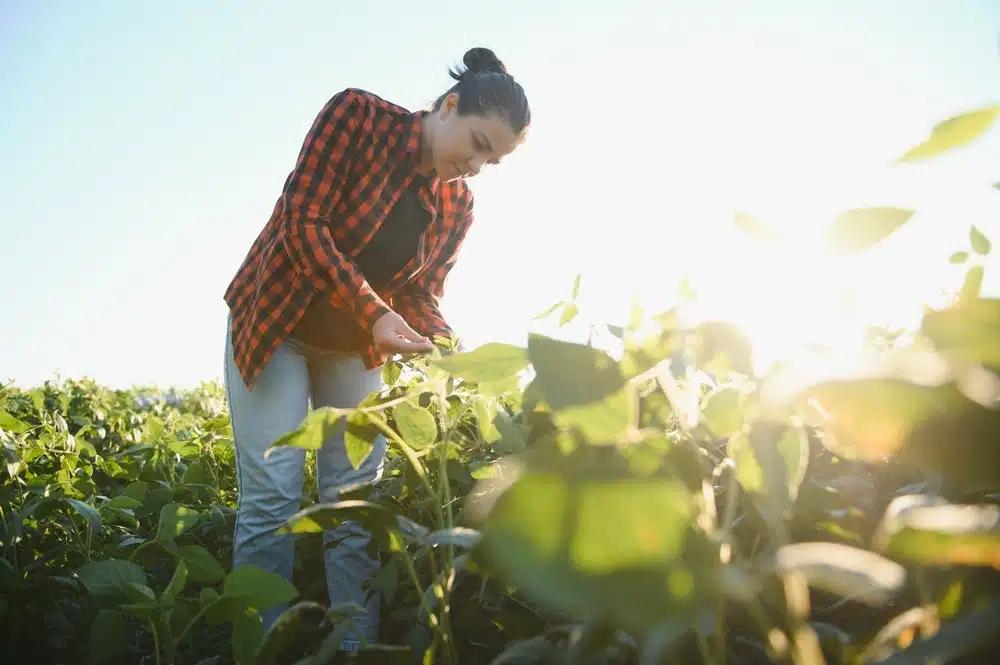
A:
[414,462]
[156,639]
[411,569]
[703,650]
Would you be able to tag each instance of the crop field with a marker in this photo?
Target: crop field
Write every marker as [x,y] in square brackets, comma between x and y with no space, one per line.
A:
[652,502]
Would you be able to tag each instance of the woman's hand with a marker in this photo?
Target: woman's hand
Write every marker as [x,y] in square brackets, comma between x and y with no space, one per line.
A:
[393,335]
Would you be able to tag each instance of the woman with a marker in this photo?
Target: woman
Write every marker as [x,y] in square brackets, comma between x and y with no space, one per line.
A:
[349,269]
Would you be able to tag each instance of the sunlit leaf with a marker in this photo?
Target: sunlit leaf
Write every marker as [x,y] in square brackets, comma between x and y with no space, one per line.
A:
[720,346]
[962,635]
[490,362]
[359,437]
[416,425]
[599,422]
[843,570]
[722,413]
[391,371]
[970,331]
[175,520]
[318,426]
[980,243]
[859,229]
[869,418]
[972,285]
[891,634]
[958,258]
[486,413]
[569,313]
[576,287]
[587,546]
[753,226]
[549,310]
[941,535]
[953,133]
[12,424]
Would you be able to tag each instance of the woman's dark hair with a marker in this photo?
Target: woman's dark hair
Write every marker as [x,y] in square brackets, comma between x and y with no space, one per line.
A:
[484,87]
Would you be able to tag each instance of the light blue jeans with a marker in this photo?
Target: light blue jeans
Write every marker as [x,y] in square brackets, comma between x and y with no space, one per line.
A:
[270,491]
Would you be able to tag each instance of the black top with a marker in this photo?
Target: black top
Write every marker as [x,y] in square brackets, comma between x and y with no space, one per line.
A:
[392,246]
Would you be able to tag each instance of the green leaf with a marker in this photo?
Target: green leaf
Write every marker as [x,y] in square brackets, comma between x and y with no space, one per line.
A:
[458,536]
[576,287]
[490,362]
[972,285]
[859,229]
[980,243]
[177,583]
[376,518]
[955,638]
[599,422]
[843,570]
[285,630]
[941,535]
[569,313]
[124,502]
[723,412]
[12,424]
[89,513]
[110,577]
[359,437]
[969,331]
[318,425]
[953,133]
[753,227]
[747,469]
[136,490]
[391,372]
[958,258]
[175,520]
[248,631]
[416,425]
[549,310]
[109,637]
[721,347]
[571,374]
[202,566]
[486,412]
[585,546]
[511,436]
[248,586]
[869,418]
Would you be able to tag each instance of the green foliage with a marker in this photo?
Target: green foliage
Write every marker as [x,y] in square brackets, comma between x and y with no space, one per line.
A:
[557,503]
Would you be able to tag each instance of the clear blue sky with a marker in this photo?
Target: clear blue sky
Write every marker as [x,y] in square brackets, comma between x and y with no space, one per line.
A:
[144,145]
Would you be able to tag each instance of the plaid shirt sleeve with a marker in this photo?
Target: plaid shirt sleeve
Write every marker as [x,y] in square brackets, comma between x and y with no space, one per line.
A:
[311,192]
[418,301]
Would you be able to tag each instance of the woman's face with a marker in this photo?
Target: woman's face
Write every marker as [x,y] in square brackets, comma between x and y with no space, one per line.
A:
[461,144]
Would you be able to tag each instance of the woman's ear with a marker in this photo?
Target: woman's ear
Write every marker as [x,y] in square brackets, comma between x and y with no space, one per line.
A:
[449,105]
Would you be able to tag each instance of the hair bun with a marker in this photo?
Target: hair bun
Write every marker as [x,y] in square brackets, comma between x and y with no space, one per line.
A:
[481,59]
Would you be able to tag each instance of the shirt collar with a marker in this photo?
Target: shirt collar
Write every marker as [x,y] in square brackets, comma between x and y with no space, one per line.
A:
[411,143]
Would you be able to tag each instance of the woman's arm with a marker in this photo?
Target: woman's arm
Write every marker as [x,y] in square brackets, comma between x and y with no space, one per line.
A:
[418,301]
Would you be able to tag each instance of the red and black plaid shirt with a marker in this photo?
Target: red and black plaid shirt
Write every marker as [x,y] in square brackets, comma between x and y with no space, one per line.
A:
[359,156]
